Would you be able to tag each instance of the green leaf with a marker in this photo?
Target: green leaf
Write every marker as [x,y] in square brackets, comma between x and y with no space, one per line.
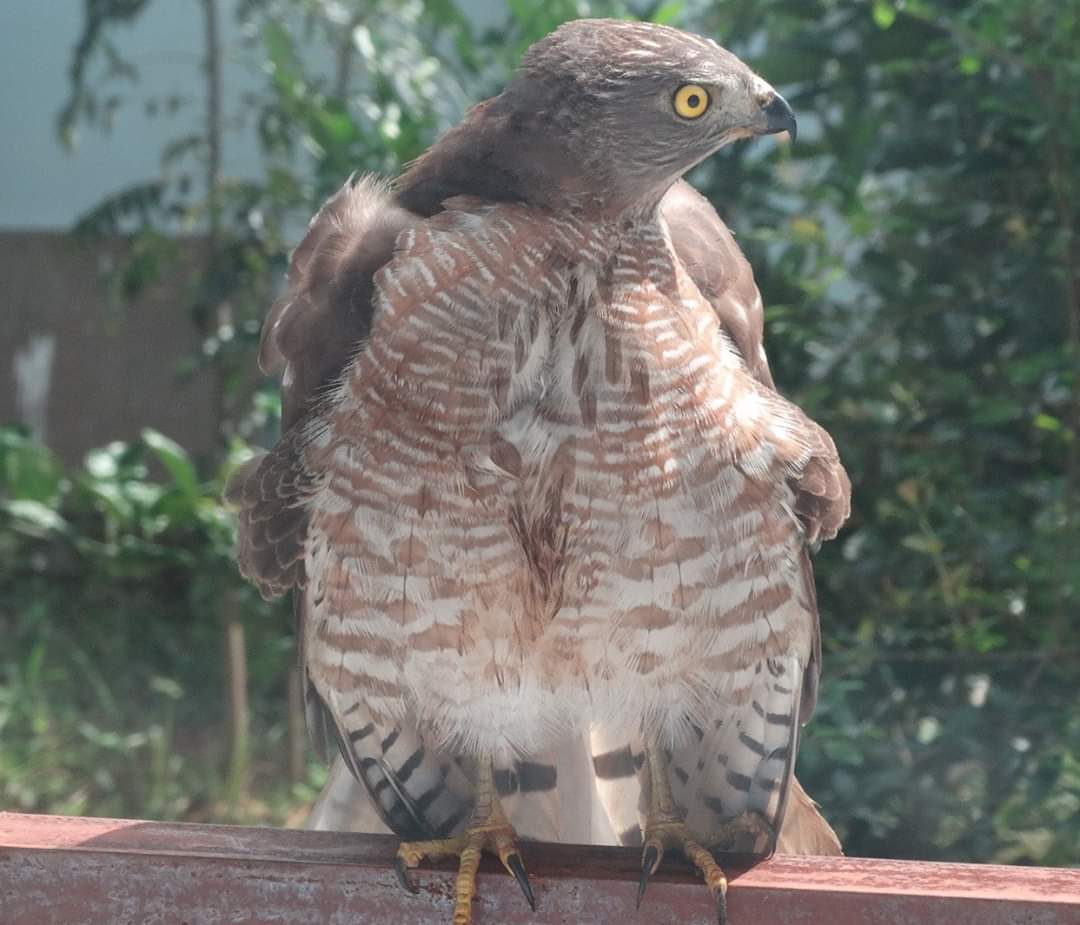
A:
[668,14]
[928,545]
[843,752]
[997,410]
[884,14]
[35,514]
[27,470]
[1047,422]
[175,459]
[969,64]
[166,686]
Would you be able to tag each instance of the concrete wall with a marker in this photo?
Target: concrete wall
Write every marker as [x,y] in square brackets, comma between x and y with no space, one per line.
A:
[82,372]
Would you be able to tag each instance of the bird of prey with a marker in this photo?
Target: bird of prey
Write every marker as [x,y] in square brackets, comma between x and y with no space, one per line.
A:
[536,485]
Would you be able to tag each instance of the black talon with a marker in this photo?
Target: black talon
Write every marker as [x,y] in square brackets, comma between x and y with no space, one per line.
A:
[514,865]
[721,908]
[402,871]
[649,861]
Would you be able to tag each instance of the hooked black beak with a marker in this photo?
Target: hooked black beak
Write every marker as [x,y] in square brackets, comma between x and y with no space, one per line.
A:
[779,117]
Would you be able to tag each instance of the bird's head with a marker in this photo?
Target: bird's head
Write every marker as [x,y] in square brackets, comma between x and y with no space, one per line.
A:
[626,108]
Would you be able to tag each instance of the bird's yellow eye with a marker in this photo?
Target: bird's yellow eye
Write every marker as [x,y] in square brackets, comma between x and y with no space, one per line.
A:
[691,101]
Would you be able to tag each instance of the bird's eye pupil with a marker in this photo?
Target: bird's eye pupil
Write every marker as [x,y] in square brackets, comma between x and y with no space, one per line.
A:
[693,101]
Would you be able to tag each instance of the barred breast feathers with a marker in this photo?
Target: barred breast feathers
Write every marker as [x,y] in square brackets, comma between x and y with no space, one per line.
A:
[428,258]
[476,293]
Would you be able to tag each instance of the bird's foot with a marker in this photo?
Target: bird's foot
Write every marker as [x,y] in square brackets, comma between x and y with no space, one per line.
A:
[747,833]
[664,830]
[495,835]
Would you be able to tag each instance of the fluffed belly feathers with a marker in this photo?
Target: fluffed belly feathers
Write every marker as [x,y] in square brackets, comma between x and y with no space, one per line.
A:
[515,610]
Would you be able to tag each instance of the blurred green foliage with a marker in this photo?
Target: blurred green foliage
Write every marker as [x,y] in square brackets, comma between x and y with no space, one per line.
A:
[112,580]
[918,256]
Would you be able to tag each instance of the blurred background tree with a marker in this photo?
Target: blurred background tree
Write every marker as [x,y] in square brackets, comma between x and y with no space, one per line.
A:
[918,256]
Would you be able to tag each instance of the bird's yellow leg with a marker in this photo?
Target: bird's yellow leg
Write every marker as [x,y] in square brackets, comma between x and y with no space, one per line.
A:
[488,829]
[666,828]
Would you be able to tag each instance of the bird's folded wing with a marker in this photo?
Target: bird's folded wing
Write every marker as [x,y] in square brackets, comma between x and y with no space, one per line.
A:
[321,320]
[310,335]
[708,250]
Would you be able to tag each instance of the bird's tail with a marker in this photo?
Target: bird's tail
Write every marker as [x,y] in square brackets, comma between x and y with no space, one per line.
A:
[345,806]
[552,800]
[804,830]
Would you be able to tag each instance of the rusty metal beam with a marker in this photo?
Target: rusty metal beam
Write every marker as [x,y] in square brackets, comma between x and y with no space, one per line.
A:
[57,870]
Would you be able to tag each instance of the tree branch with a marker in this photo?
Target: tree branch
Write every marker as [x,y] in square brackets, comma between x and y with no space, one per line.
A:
[212,41]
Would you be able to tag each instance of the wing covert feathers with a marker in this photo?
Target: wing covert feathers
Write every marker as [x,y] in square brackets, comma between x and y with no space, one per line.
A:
[272,491]
[717,266]
[325,313]
[823,499]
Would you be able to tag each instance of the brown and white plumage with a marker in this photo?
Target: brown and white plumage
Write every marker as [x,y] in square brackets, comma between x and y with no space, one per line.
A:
[536,483]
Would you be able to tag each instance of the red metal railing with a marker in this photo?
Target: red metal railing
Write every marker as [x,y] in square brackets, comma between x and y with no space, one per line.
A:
[79,871]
